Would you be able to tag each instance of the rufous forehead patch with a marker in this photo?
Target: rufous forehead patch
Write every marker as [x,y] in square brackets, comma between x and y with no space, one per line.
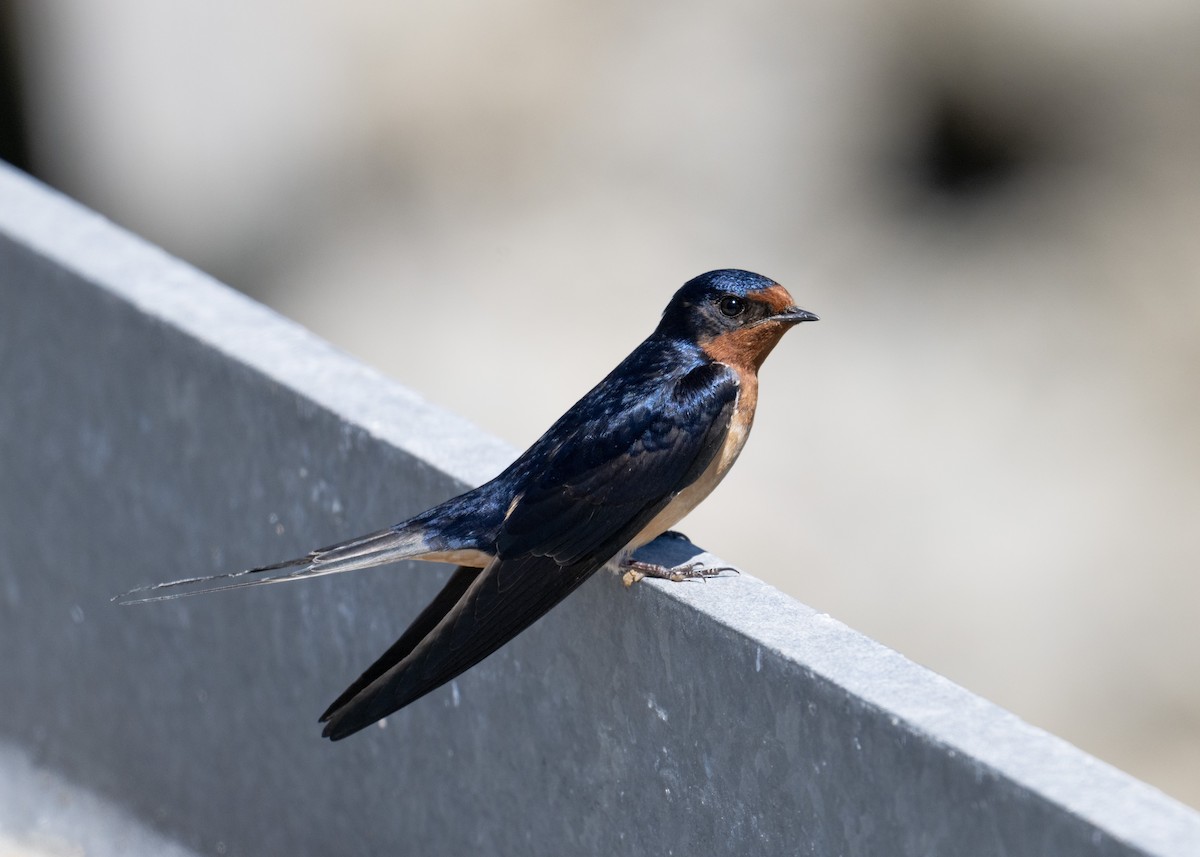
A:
[776,297]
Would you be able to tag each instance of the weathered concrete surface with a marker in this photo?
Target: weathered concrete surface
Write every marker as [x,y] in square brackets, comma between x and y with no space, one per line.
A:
[154,424]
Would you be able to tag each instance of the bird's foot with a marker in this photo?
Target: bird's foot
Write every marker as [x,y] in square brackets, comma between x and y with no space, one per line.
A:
[636,569]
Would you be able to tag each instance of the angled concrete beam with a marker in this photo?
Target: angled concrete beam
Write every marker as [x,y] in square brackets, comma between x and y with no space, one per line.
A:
[154,424]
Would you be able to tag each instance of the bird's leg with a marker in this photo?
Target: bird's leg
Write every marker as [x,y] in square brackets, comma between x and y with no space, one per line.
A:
[636,569]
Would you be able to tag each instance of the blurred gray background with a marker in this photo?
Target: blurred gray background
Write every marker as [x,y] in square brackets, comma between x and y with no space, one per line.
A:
[985,455]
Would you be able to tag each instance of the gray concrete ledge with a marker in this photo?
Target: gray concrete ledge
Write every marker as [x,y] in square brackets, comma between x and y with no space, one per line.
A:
[154,424]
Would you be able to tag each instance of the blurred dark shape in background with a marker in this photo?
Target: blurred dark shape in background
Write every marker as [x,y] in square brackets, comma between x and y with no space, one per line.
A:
[14,146]
[968,153]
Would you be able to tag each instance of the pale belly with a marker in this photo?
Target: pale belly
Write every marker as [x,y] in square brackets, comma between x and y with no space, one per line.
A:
[690,497]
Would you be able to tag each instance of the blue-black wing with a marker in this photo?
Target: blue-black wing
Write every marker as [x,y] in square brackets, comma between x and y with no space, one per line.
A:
[600,477]
[609,476]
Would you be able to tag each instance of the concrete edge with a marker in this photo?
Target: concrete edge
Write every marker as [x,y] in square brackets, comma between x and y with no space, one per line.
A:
[947,715]
[165,288]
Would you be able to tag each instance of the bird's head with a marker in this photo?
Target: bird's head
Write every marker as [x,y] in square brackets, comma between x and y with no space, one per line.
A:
[735,316]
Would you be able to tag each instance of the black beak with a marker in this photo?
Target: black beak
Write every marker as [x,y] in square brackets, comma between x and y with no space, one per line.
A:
[795,315]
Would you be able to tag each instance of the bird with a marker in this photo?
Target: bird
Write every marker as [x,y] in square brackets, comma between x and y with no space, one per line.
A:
[622,466]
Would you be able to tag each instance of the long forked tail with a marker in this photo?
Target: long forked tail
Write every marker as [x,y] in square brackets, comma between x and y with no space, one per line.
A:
[396,543]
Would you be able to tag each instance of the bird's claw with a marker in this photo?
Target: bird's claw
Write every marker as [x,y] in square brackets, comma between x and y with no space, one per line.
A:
[688,571]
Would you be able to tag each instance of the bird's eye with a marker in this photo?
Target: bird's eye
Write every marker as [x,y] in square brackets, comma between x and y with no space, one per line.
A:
[732,306]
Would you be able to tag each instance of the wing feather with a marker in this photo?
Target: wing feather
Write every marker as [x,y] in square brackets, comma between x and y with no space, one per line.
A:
[503,600]
[436,610]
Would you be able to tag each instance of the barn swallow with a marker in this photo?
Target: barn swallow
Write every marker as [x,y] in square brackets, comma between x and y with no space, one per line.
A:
[622,466]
